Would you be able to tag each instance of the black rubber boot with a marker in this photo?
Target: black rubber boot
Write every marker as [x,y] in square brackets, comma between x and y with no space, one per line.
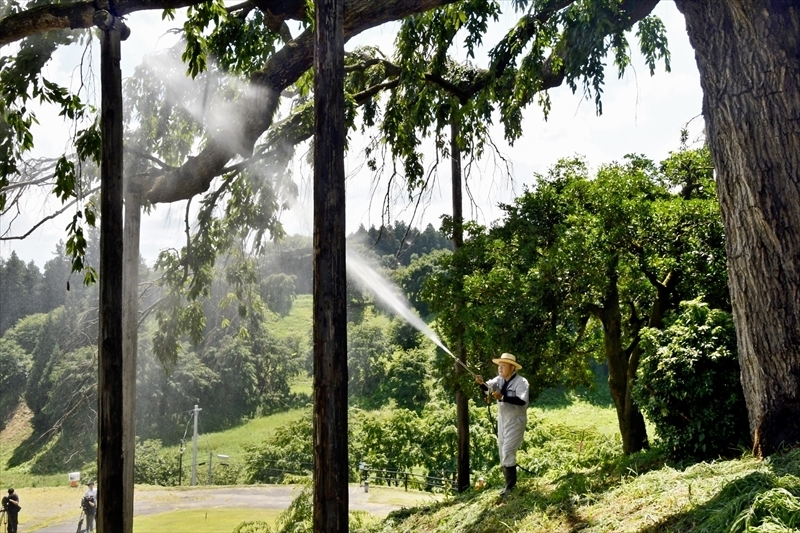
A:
[510,473]
[512,476]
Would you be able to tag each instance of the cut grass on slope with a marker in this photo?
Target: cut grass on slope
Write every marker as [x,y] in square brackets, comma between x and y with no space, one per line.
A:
[594,488]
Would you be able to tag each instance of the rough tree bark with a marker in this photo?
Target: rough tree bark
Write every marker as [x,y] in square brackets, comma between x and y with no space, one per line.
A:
[748,54]
[330,276]
[621,372]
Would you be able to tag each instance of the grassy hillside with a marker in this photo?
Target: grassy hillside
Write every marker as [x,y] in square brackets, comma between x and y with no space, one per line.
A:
[578,480]
[297,323]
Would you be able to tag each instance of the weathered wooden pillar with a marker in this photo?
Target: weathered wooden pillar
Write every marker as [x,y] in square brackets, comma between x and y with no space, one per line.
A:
[330,301]
[113,516]
[462,398]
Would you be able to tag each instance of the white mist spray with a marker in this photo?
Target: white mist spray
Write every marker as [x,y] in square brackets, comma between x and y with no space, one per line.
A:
[387,293]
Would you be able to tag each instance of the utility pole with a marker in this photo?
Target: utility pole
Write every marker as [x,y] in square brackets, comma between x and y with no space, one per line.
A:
[196,410]
[180,463]
[210,460]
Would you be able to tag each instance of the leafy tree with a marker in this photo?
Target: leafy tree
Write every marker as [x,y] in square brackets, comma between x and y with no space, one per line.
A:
[411,279]
[577,268]
[14,367]
[165,397]
[62,332]
[152,466]
[71,411]
[367,349]
[20,285]
[291,255]
[278,291]
[403,335]
[407,379]
[287,451]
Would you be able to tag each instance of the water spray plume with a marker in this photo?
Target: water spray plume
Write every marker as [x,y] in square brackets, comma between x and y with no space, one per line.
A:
[388,294]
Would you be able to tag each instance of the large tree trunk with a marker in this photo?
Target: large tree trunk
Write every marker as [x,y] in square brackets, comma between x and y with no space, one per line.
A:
[621,369]
[111,456]
[748,54]
[462,399]
[330,276]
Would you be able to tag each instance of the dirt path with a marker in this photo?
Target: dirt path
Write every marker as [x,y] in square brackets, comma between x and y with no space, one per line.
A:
[260,497]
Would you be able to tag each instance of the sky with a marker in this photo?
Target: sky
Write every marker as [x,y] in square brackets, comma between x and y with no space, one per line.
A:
[641,114]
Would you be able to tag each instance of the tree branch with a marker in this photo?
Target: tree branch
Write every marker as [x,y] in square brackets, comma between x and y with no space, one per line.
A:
[281,70]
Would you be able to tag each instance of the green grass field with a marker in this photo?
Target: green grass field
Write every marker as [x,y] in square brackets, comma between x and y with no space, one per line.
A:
[201,520]
[231,442]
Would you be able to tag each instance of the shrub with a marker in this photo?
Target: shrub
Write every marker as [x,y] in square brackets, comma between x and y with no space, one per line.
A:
[689,384]
[288,451]
[153,465]
[253,526]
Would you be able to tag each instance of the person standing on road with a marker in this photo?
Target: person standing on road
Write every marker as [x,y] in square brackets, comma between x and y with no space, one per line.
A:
[11,507]
[89,505]
[511,392]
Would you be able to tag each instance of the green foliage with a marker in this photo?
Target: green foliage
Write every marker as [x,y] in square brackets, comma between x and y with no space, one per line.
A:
[287,451]
[279,292]
[391,439]
[407,379]
[689,385]
[367,350]
[153,466]
[14,367]
[399,245]
[570,254]
[253,526]
[411,279]
[21,81]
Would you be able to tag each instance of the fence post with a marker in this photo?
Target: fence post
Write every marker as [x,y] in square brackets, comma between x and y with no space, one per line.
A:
[364,474]
[406,483]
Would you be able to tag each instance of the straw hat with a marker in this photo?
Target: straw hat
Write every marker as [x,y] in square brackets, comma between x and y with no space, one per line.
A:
[507,358]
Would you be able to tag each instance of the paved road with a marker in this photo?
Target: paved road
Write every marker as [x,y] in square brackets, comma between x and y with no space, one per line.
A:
[272,497]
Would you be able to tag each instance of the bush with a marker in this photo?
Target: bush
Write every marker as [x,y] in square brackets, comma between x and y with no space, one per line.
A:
[288,451]
[154,465]
[689,384]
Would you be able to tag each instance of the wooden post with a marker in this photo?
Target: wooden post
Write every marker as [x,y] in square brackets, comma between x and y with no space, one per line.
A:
[462,399]
[330,294]
[113,515]
[130,324]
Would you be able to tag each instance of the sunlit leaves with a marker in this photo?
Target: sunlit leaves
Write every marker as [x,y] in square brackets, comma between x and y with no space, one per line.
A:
[199,17]
[653,42]
[532,283]
[88,144]
[76,244]
[65,178]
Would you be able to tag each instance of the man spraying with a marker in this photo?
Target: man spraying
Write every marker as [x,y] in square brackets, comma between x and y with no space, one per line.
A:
[511,392]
